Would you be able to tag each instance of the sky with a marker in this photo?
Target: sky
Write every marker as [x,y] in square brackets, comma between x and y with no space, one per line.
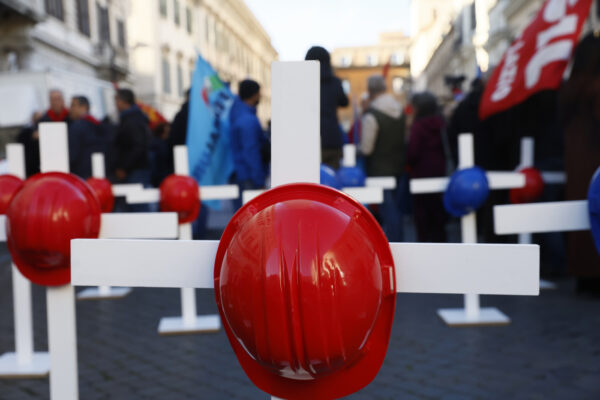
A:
[295,26]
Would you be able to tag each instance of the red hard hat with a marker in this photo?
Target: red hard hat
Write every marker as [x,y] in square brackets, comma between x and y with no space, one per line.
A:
[9,186]
[103,190]
[51,209]
[533,189]
[180,194]
[305,285]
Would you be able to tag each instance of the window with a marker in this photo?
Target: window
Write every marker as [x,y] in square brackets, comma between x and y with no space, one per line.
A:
[179,80]
[397,58]
[188,19]
[372,60]
[55,8]
[346,86]
[473,17]
[397,84]
[166,75]
[346,61]
[103,23]
[121,33]
[176,12]
[83,17]
[162,4]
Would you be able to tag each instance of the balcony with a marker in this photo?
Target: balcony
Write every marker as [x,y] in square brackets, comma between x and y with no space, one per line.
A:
[32,10]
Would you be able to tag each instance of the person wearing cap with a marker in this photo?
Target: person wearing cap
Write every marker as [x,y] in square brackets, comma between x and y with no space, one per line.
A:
[86,136]
[382,142]
[332,97]
[247,137]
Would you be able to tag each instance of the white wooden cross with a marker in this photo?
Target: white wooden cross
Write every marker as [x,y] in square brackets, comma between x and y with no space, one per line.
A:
[127,225]
[527,160]
[24,362]
[189,321]
[420,267]
[471,314]
[556,216]
[60,300]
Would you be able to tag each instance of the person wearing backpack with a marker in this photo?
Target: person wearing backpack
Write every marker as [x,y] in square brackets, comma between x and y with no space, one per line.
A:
[382,143]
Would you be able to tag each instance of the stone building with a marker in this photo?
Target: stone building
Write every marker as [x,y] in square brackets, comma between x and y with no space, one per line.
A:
[78,46]
[354,65]
[163,54]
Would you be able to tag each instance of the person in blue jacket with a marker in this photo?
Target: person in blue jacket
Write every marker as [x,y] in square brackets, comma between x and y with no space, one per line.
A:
[247,137]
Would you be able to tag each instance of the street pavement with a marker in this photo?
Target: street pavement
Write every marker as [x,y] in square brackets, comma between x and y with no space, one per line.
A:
[551,350]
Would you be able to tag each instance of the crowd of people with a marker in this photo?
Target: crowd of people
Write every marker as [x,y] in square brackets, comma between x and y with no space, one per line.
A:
[413,140]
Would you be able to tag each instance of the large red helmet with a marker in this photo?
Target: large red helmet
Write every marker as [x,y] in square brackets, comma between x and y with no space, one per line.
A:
[103,190]
[51,209]
[9,186]
[305,285]
[533,189]
[180,194]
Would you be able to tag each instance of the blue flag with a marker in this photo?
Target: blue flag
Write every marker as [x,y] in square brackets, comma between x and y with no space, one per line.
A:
[209,149]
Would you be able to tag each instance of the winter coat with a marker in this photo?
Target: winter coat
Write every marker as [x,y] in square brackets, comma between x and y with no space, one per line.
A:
[425,151]
[132,140]
[382,139]
[247,139]
[86,136]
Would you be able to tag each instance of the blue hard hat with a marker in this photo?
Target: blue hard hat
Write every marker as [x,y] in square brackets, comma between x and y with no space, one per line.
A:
[594,208]
[351,176]
[466,192]
[329,177]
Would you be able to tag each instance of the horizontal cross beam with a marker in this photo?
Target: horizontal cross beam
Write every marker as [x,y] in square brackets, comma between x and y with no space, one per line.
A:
[420,267]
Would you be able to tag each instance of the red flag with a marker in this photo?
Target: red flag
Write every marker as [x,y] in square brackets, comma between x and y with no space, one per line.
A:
[537,59]
[386,68]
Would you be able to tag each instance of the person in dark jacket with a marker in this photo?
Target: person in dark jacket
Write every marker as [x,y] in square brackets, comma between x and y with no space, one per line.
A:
[425,157]
[161,157]
[86,136]
[29,138]
[332,97]
[247,137]
[132,143]
[382,142]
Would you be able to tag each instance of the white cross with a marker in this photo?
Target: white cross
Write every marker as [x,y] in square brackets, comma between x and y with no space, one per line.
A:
[471,314]
[129,226]
[189,321]
[62,340]
[556,216]
[549,178]
[420,267]
[24,362]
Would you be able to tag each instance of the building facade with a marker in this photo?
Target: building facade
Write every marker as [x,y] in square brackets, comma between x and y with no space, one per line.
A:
[354,65]
[78,46]
[163,54]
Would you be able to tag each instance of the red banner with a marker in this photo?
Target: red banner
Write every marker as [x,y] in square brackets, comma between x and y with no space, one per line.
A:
[537,59]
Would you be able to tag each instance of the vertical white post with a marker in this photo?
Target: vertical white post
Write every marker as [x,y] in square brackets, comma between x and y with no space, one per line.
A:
[466,159]
[349,159]
[98,168]
[295,137]
[99,171]
[21,286]
[188,295]
[527,160]
[62,339]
